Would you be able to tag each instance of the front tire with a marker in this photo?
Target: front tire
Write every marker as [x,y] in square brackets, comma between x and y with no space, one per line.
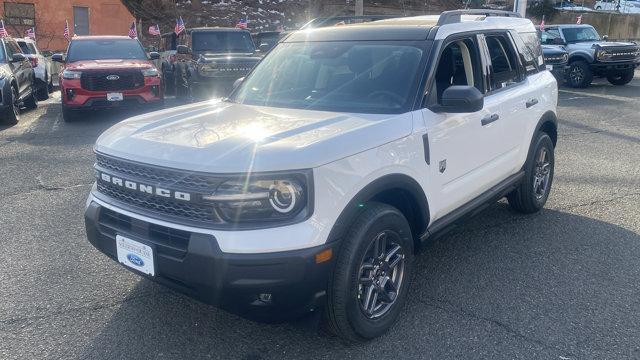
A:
[371,278]
[533,192]
[579,75]
[12,114]
[31,102]
[43,90]
[622,78]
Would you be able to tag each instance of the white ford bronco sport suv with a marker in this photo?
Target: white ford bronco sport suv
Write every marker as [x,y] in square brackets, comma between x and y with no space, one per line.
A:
[313,185]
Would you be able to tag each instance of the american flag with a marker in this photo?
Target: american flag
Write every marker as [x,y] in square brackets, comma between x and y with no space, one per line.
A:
[579,20]
[31,33]
[133,33]
[542,24]
[179,26]
[3,30]
[66,30]
[154,30]
[242,24]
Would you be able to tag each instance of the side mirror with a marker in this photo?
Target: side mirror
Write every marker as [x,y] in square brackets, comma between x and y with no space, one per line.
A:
[183,50]
[605,37]
[237,82]
[59,58]
[18,58]
[559,41]
[154,55]
[461,99]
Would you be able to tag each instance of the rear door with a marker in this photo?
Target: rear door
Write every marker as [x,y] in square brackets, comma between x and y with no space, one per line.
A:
[21,69]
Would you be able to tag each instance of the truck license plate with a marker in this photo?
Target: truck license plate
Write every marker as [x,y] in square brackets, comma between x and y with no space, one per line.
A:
[135,255]
[115,96]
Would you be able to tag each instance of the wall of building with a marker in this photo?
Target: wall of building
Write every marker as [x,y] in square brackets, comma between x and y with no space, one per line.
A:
[617,26]
[106,17]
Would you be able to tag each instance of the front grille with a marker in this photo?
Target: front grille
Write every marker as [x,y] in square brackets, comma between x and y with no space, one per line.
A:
[167,241]
[228,69]
[122,80]
[622,54]
[181,179]
[193,212]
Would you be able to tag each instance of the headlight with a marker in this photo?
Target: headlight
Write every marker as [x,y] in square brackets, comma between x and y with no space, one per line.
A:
[279,198]
[603,55]
[565,58]
[150,72]
[69,74]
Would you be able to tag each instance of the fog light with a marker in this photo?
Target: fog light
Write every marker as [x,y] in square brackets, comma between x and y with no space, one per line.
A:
[155,90]
[71,94]
[323,256]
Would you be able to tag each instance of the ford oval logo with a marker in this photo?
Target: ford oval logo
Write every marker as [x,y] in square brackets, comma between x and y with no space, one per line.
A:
[135,259]
[113,77]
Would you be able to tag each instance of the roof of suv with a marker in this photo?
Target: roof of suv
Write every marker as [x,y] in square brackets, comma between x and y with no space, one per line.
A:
[410,28]
[101,37]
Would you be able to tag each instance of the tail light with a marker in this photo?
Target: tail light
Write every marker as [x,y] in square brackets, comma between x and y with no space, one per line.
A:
[34,61]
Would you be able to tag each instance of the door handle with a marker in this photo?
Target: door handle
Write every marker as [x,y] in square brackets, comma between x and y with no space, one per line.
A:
[531,102]
[489,119]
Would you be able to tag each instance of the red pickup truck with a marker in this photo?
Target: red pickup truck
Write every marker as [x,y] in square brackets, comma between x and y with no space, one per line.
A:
[107,72]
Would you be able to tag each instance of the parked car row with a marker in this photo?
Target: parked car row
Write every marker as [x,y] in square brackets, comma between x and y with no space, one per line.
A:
[24,78]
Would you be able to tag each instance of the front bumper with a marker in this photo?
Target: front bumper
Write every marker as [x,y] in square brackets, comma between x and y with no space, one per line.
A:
[558,70]
[213,87]
[75,97]
[603,68]
[266,287]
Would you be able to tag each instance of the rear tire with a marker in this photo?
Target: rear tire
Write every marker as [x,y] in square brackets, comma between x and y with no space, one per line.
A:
[43,90]
[621,78]
[579,75]
[533,192]
[374,267]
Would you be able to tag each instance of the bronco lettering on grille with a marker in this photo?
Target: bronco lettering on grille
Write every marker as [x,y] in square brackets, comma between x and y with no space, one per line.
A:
[144,188]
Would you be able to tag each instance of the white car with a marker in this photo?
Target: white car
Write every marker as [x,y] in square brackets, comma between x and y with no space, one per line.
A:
[313,186]
[622,6]
[41,66]
[569,6]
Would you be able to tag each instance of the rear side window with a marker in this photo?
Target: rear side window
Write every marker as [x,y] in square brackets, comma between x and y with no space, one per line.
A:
[529,50]
[24,47]
[32,49]
[504,64]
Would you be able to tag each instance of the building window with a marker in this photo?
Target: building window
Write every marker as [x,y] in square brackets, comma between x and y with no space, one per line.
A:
[80,20]
[19,16]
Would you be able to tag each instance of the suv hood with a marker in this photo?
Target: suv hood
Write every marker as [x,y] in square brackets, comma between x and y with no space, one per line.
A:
[114,64]
[223,137]
[227,57]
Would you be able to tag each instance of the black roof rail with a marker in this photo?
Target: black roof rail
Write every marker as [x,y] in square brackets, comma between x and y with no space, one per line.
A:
[454,16]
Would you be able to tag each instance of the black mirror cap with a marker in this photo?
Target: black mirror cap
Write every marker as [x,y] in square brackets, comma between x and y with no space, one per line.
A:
[183,50]
[59,58]
[18,57]
[154,55]
[605,37]
[461,99]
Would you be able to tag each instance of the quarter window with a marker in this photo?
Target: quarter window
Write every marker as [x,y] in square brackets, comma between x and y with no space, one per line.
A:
[504,65]
[530,52]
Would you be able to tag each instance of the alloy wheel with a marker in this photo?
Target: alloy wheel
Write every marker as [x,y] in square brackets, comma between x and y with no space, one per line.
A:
[16,105]
[576,75]
[381,274]
[542,173]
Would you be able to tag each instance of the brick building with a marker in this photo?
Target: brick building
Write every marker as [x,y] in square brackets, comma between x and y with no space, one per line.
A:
[85,17]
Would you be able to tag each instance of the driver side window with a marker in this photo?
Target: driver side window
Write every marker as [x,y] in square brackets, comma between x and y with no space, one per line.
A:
[458,65]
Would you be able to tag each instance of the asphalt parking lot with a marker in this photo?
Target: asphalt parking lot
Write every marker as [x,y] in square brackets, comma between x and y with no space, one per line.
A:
[560,284]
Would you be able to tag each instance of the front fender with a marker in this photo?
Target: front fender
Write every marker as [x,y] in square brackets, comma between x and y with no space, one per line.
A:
[583,55]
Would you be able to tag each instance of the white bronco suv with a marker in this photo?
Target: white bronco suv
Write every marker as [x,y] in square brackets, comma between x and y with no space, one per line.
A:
[313,185]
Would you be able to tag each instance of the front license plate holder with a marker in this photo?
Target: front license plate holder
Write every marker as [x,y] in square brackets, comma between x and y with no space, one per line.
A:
[114,96]
[136,255]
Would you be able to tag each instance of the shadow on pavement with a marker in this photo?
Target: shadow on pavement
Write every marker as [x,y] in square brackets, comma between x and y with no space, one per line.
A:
[505,284]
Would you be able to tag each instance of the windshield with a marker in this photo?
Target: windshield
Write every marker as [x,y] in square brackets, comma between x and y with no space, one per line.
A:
[222,41]
[105,49]
[579,34]
[367,77]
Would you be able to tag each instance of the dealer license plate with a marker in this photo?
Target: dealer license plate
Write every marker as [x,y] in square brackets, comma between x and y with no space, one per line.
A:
[115,96]
[135,255]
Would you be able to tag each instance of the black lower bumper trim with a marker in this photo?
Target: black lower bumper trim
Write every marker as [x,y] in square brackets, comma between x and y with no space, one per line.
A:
[264,287]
